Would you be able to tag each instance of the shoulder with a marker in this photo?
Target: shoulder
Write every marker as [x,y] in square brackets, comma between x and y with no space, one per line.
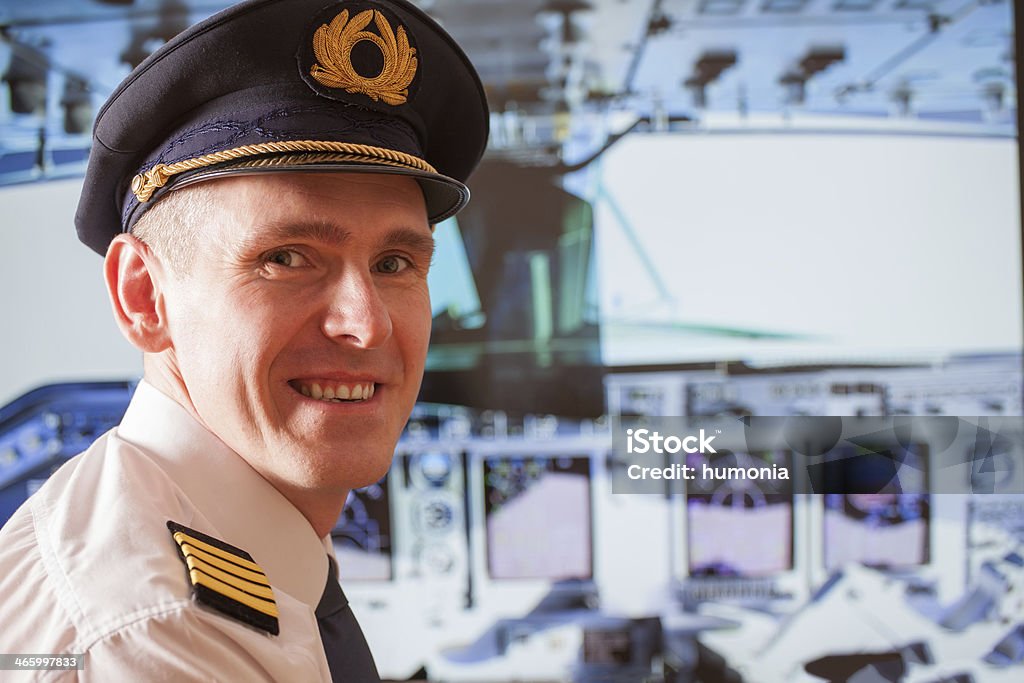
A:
[89,545]
[101,541]
[90,565]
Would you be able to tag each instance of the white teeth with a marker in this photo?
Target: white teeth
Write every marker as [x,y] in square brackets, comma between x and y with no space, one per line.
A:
[341,392]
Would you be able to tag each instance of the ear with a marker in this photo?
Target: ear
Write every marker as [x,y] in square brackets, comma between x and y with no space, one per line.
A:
[134,277]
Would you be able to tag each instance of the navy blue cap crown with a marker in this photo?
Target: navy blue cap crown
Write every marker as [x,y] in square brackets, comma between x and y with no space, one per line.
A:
[288,85]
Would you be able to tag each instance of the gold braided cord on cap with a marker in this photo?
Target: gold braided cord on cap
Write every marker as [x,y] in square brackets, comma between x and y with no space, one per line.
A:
[312,158]
[146,183]
[333,44]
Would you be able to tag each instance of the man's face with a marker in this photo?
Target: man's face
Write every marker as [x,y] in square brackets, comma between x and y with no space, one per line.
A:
[306,286]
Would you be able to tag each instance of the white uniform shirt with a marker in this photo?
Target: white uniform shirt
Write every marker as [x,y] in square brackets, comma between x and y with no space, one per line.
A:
[87,564]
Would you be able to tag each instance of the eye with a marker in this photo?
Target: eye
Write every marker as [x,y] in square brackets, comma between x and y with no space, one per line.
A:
[392,264]
[288,258]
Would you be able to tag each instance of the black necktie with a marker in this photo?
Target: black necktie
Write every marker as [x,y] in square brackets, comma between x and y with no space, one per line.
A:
[348,655]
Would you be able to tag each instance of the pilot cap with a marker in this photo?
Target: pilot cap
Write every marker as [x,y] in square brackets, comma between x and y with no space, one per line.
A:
[367,86]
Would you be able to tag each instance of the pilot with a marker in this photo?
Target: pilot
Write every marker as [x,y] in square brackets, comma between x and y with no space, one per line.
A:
[263,190]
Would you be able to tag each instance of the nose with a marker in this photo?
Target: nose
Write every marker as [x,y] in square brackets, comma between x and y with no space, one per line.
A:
[356,313]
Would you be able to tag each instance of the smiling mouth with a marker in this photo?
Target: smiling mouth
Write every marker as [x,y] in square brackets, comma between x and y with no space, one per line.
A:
[335,392]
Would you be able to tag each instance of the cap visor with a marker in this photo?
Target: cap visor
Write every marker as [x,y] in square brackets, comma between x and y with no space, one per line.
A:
[444,196]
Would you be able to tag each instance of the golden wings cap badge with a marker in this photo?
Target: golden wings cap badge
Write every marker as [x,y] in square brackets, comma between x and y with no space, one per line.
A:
[333,44]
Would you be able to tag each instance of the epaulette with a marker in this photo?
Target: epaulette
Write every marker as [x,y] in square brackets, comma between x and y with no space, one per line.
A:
[226,578]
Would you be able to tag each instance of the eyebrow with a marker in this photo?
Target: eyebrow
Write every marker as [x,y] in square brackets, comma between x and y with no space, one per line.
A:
[326,233]
[413,240]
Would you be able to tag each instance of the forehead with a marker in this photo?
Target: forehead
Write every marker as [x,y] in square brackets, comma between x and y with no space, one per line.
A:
[248,207]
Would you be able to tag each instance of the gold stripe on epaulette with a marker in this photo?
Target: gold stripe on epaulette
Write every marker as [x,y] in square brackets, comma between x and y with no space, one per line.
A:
[260,590]
[226,578]
[146,183]
[183,538]
[266,607]
[256,577]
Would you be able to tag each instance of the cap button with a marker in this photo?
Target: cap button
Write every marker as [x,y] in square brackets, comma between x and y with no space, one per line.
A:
[144,184]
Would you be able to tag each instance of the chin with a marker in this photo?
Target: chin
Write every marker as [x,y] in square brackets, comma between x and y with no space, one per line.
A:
[353,467]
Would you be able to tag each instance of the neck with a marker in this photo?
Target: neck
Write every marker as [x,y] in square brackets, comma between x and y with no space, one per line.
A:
[160,370]
[321,511]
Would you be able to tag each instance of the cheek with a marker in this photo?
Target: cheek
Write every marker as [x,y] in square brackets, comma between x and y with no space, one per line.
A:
[411,319]
[219,338]
[189,333]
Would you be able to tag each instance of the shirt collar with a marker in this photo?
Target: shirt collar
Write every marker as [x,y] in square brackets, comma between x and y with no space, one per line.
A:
[239,505]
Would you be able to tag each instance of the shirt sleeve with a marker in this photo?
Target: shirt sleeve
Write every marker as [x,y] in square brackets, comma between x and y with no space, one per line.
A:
[171,640]
[191,644]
